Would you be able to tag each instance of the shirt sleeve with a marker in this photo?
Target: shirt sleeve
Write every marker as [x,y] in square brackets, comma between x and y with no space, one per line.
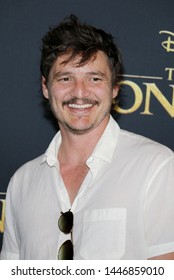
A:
[10,249]
[159,210]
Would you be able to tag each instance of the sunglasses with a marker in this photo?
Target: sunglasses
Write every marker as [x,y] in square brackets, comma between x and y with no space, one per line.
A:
[65,224]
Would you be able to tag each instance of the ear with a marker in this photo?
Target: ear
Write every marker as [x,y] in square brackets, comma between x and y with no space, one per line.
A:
[115,91]
[44,87]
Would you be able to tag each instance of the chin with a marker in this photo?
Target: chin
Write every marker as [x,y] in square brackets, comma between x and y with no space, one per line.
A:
[79,130]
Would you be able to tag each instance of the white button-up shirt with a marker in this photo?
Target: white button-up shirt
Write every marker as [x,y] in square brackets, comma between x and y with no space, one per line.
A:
[123,210]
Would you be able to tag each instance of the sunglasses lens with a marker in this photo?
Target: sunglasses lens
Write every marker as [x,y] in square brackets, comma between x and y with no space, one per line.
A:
[65,222]
[66,251]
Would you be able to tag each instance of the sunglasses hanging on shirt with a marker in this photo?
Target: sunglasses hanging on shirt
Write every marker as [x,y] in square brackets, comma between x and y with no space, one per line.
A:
[65,224]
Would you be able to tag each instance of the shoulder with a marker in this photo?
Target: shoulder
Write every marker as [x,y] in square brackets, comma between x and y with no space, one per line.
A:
[27,172]
[133,143]
[139,146]
[30,166]
[24,181]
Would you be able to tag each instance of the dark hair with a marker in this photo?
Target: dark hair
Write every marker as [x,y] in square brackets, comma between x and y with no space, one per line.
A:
[73,37]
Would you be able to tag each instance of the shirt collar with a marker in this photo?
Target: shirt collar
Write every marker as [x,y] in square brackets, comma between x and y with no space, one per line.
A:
[105,147]
[103,151]
[50,155]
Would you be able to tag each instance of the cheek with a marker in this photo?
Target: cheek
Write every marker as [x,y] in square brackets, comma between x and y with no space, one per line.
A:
[59,93]
[101,92]
[106,95]
[54,94]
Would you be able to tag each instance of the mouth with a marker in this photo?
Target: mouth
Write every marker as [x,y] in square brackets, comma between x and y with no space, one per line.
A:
[80,104]
[81,107]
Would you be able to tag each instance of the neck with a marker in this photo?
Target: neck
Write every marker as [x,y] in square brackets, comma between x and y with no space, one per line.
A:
[76,148]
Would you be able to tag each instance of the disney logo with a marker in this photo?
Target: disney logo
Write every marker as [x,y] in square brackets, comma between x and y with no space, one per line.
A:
[168,45]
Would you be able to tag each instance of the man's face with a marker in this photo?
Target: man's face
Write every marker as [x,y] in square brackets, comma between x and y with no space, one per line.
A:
[80,96]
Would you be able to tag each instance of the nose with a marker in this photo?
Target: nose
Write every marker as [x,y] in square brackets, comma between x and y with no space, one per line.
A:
[79,89]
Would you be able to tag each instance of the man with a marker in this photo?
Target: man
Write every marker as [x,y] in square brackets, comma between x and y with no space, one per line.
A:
[98,192]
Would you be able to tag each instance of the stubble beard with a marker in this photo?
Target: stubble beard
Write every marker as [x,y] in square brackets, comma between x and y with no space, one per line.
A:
[82,131]
[73,129]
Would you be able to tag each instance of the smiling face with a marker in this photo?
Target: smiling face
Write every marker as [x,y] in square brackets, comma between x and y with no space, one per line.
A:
[80,96]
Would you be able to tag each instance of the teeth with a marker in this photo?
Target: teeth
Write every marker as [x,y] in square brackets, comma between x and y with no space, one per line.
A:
[77,106]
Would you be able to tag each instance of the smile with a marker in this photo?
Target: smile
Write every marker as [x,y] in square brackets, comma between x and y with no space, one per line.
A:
[78,106]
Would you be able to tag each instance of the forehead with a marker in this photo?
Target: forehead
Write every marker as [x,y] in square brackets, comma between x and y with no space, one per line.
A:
[99,60]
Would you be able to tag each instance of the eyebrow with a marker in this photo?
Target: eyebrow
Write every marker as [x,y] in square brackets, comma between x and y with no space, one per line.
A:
[96,73]
[59,74]
[62,73]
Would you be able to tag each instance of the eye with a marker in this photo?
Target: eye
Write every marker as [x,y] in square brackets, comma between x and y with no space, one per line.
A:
[64,79]
[95,79]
